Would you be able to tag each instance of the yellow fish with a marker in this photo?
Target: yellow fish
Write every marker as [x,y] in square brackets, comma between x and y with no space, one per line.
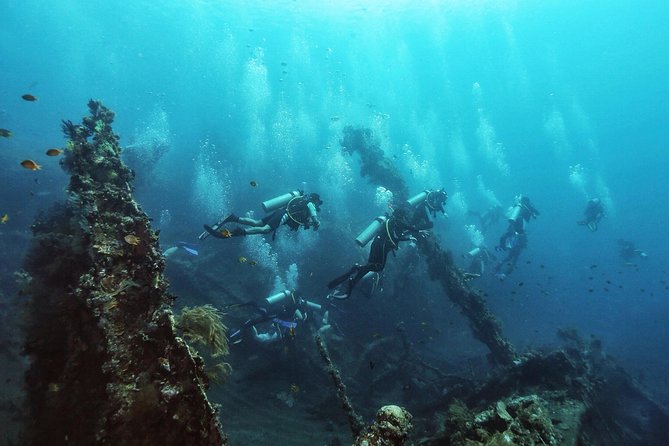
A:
[30,164]
[225,233]
[242,259]
[132,239]
[4,219]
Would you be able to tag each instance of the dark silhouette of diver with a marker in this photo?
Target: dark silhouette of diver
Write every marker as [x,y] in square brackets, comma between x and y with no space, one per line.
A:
[514,246]
[628,251]
[594,211]
[394,229]
[489,217]
[294,209]
[514,240]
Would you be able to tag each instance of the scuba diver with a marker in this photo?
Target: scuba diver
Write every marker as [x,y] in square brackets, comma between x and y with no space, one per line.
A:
[293,209]
[594,211]
[514,240]
[518,216]
[489,217]
[425,203]
[278,317]
[628,251]
[387,232]
[479,257]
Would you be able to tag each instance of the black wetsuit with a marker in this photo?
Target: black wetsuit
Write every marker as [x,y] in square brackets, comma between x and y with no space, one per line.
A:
[385,241]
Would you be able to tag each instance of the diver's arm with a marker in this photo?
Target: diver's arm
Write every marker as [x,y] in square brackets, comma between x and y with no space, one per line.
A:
[313,215]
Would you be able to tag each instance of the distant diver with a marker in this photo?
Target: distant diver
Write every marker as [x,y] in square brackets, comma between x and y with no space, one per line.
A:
[426,204]
[294,209]
[489,217]
[514,240]
[628,252]
[479,258]
[387,232]
[594,211]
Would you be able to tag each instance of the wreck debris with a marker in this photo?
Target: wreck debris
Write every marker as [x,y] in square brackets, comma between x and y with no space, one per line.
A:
[354,420]
[441,268]
[391,428]
[106,364]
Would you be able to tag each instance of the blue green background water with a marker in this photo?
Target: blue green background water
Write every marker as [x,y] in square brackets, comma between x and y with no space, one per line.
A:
[558,100]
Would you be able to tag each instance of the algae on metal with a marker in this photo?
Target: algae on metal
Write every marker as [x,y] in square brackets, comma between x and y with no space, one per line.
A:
[106,364]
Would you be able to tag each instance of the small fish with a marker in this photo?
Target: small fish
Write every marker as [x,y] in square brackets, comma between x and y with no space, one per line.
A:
[253,183]
[253,263]
[53,387]
[4,219]
[5,133]
[372,364]
[292,332]
[225,233]
[132,239]
[30,164]
[334,119]
[294,388]
[29,97]
[283,64]
[242,259]
[54,152]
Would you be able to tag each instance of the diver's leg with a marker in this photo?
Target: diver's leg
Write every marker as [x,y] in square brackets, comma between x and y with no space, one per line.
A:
[340,279]
[247,221]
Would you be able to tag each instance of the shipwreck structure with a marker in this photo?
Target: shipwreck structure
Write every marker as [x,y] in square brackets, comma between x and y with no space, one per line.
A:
[107,366]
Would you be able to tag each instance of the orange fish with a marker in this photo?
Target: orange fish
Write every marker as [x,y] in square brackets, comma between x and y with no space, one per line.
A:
[4,219]
[225,233]
[30,164]
[132,239]
[29,98]
[54,152]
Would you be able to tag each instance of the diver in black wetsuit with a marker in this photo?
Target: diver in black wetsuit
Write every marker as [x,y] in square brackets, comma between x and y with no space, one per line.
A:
[294,209]
[394,229]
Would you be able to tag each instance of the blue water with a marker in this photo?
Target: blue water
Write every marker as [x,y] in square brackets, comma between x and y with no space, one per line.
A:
[558,100]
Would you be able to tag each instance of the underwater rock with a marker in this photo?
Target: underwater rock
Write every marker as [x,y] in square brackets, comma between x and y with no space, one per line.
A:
[106,365]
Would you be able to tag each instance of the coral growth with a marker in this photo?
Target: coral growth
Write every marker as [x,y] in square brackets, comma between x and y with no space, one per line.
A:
[106,364]
[202,327]
[391,428]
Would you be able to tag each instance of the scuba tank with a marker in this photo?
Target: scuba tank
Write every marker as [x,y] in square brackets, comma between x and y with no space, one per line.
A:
[474,252]
[418,198]
[370,231]
[278,297]
[277,202]
[515,212]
